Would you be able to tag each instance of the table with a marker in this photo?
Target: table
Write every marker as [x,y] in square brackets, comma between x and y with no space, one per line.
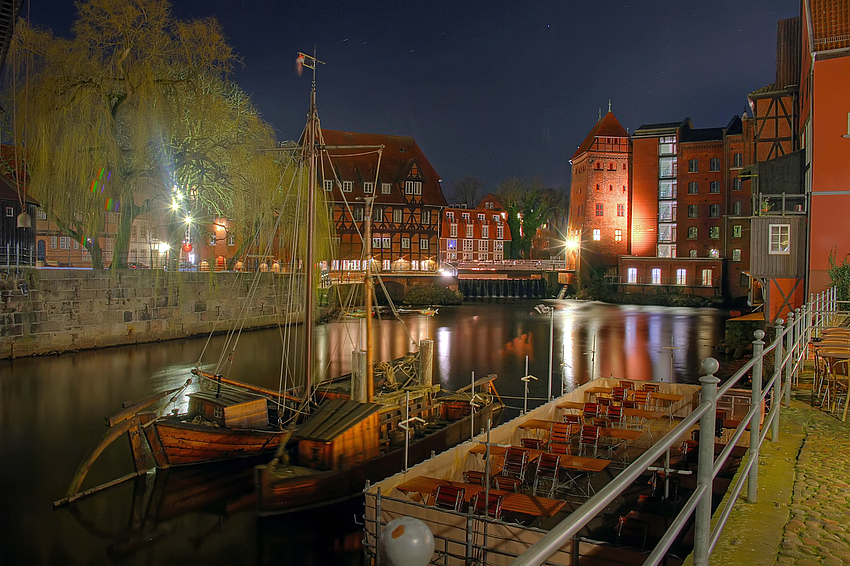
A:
[834,356]
[514,502]
[629,412]
[581,463]
[621,433]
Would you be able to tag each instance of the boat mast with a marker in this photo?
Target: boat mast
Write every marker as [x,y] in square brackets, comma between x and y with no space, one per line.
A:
[369,377]
[309,259]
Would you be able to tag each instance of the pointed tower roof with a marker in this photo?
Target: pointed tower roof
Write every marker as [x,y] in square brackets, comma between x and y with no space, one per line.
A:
[608,126]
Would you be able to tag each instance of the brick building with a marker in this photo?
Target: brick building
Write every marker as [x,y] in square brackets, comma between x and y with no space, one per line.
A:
[599,198]
[478,234]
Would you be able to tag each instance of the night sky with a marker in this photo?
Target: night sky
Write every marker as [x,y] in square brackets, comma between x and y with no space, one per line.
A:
[489,88]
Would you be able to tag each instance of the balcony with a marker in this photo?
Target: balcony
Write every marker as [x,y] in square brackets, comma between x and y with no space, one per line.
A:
[782,204]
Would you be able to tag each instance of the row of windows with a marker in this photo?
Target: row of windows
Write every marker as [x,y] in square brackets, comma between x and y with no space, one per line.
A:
[600,209]
[410,187]
[469,245]
[714,163]
[681,276]
[597,235]
[470,231]
[465,216]
[385,243]
[479,257]
[610,187]
[386,265]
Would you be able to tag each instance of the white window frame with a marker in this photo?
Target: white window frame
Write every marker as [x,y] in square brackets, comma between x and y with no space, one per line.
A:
[707,276]
[368,188]
[405,243]
[631,275]
[53,242]
[775,241]
[417,187]
[329,185]
[470,231]
[347,186]
[64,243]
[597,234]
[385,188]
[453,230]
[498,246]
[397,215]
[681,276]
[483,245]
[423,244]
[451,244]
[10,212]
[485,231]
[500,233]
[468,245]
[656,276]
[386,243]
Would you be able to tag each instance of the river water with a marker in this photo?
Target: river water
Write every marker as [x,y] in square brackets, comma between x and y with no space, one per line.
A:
[52,410]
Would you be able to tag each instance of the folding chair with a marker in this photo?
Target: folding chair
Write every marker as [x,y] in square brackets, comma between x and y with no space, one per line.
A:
[548,468]
[652,387]
[632,531]
[601,418]
[627,384]
[473,476]
[516,463]
[643,399]
[533,443]
[559,434]
[590,412]
[618,395]
[490,505]
[614,418]
[572,419]
[588,440]
[557,448]
[506,483]
[448,497]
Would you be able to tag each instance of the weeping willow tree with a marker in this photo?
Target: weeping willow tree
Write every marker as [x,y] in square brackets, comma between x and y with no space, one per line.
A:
[133,113]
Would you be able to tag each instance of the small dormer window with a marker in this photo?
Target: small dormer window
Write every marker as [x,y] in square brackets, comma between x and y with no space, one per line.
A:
[417,187]
[481,218]
[385,188]
[408,187]
[347,186]
[329,185]
[465,216]
[369,188]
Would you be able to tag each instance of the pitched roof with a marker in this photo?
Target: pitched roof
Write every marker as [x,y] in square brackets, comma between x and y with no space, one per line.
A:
[608,126]
[8,191]
[701,135]
[649,129]
[399,157]
[334,417]
[830,24]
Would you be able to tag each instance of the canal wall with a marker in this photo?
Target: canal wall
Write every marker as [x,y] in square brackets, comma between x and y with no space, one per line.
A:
[49,311]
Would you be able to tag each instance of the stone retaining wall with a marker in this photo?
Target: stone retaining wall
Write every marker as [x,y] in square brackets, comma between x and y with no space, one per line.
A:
[48,311]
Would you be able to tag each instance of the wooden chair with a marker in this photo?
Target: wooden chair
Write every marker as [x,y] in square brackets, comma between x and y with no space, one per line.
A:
[490,505]
[473,476]
[448,497]
[604,401]
[548,468]
[516,463]
[614,418]
[533,443]
[643,399]
[627,384]
[558,448]
[601,418]
[590,412]
[506,483]
[572,419]
[652,387]
[588,443]
[559,434]
[632,531]
[619,394]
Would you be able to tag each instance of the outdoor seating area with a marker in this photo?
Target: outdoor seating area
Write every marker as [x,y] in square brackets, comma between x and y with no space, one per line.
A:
[830,352]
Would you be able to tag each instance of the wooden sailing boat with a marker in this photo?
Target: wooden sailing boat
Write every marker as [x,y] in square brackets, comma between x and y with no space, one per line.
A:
[363,436]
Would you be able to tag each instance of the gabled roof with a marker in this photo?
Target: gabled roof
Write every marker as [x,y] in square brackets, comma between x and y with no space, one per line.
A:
[654,129]
[399,157]
[8,191]
[701,135]
[608,126]
[334,417]
[830,24]
[497,204]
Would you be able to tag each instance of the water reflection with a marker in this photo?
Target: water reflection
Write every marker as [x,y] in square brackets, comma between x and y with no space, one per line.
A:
[52,408]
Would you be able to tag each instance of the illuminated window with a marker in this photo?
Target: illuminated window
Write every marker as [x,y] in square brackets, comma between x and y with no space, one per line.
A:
[681,277]
[469,230]
[692,253]
[714,232]
[498,246]
[736,254]
[386,243]
[693,232]
[621,210]
[714,253]
[780,236]
[656,276]
[632,275]
[618,235]
[451,244]
[597,235]
[706,277]
[736,231]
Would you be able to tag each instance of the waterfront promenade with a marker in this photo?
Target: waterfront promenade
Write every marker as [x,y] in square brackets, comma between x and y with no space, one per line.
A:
[802,516]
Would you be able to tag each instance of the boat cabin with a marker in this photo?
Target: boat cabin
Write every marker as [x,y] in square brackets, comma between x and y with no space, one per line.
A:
[340,434]
[230,408]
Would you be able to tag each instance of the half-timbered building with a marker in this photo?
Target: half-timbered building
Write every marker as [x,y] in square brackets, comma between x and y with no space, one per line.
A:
[393,176]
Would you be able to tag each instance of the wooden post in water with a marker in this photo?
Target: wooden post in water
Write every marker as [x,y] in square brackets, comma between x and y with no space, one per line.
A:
[426,362]
[358,376]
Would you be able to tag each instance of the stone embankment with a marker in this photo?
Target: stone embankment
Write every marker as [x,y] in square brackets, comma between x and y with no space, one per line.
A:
[48,311]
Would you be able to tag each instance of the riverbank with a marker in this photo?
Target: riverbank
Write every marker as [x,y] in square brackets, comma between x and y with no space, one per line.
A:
[802,516]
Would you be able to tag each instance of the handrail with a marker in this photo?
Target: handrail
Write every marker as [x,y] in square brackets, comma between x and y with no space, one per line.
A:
[790,347]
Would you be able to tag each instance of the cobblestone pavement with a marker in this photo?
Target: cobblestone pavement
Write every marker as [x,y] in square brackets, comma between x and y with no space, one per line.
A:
[818,529]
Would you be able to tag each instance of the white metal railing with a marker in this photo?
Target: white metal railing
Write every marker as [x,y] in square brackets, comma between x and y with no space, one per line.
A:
[515,265]
[789,348]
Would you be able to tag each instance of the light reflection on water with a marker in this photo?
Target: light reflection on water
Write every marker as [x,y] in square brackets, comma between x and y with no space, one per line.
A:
[52,408]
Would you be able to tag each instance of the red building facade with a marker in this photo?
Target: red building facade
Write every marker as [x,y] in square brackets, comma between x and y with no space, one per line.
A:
[599,199]
[478,234]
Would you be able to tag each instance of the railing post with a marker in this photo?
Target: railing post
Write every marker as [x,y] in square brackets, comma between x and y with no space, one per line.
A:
[755,422]
[777,389]
[705,464]
[789,347]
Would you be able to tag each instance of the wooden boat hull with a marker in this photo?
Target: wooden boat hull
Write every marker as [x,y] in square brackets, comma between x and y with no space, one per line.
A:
[279,492]
[177,443]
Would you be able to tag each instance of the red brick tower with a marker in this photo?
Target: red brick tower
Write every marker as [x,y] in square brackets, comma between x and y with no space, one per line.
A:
[599,194]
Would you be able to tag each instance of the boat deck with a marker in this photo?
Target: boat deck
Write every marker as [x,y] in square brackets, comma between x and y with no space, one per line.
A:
[621,534]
